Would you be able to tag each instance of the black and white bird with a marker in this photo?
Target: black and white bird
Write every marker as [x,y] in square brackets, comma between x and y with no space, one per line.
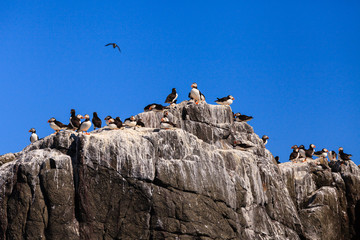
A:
[166,124]
[75,120]
[332,156]
[195,94]
[34,137]
[130,122]
[310,152]
[139,123]
[302,151]
[111,123]
[277,159]
[294,156]
[56,125]
[114,45]
[85,125]
[321,154]
[241,117]
[108,117]
[171,98]
[96,121]
[265,139]
[118,122]
[155,107]
[241,146]
[344,156]
[225,100]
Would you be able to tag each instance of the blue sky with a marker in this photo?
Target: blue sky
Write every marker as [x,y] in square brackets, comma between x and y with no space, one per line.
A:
[294,66]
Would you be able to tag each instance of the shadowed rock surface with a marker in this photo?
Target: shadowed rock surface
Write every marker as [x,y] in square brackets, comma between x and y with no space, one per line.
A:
[186,183]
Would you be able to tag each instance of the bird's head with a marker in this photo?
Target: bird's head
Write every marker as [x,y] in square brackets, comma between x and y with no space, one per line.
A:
[341,149]
[32,130]
[312,146]
[231,97]
[79,116]
[51,120]
[294,147]
[194,85]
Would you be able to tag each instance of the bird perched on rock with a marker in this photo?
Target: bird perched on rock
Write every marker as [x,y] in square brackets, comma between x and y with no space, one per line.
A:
[322,153]
[108,117]
[265,139]
[195,94]
[302,151]
[225,100]
[130,122]
[139,123]
[241,117]
[114,45]
[171,98]
[344,156]
[156,107]
[96,121]
[74,120]
[111,124]
[166,124]
[241,146]
[310,152]
[34,137]
[56,125]
[85,125]
[118,122]
[277,159]
[332,156]
[294,156]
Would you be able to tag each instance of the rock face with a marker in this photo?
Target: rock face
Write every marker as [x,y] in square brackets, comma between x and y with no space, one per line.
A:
[187,183]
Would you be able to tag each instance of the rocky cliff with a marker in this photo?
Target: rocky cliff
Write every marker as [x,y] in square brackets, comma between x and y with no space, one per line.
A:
[186,183]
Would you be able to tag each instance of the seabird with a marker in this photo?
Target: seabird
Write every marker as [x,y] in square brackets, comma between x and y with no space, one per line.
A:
[241,117]
[96,121]
[130,122]
[114,45]
[171,98]
[166,124]
[155,107]
[112,124]
[322,153]
[118,122]
[332,156]
[242,146]
[302,151]
[225,100]
[344,156]
[195,94]
[85,125]
[34,137]
[56,125]
[139,123]
[265,138]
[295,154]
[277,159]
[74,120]
[108,117]
[310,152]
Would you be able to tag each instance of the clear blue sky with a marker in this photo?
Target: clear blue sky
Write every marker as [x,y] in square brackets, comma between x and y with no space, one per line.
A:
[294,66]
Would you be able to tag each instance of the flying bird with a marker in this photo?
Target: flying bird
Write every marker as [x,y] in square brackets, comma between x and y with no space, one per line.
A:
[114,45]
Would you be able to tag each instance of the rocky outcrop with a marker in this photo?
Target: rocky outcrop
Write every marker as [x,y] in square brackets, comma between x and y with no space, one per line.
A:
[186,183]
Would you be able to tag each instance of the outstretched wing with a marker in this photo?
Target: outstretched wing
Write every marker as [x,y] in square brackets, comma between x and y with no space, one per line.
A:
[118,48]
[109,44]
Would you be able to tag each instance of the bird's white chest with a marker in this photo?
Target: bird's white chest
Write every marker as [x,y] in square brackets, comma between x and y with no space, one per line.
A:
[112,125]
[227,102]
[176,96]
[130,123]
[85,126]
[34,137]
[166,125]
[195,94]
[54,126]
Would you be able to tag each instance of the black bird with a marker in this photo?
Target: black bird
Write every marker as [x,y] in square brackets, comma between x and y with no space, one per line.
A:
[118,122]
[74,120]
[277,159]
[242,146]
[344,156]
[140,123]
[96,121]
[114,45]
[155,107]
[310,152]
[225,100]
[242,118]
[322,153]
[171,98]
[34,137]
[295,153]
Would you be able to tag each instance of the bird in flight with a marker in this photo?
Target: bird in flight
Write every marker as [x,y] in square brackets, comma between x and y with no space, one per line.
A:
[114,45]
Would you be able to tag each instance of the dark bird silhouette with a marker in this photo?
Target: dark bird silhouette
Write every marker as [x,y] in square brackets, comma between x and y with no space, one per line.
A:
[96,121]
[171,98]
[310,152]
[114,45]
[241,117]
[344,156]
[118,122]
[277,159]
[295,153]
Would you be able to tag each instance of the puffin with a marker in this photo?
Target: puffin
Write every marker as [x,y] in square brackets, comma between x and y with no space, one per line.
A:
[241,117]
[34,137]
[171,98]
[310,152]
[139,123]
[277,159]
[85,125]
[114,45]
[166,124]
[295,154]
[96,121]
[332,155]
[242,146]
[130,122]
[74,120]
[108,117]
[156,107]
[302,151]
[225,100]
[112,124]
[56,125]
[195,94]
[344,156]
[322,153]
[265,138]
[118,122]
